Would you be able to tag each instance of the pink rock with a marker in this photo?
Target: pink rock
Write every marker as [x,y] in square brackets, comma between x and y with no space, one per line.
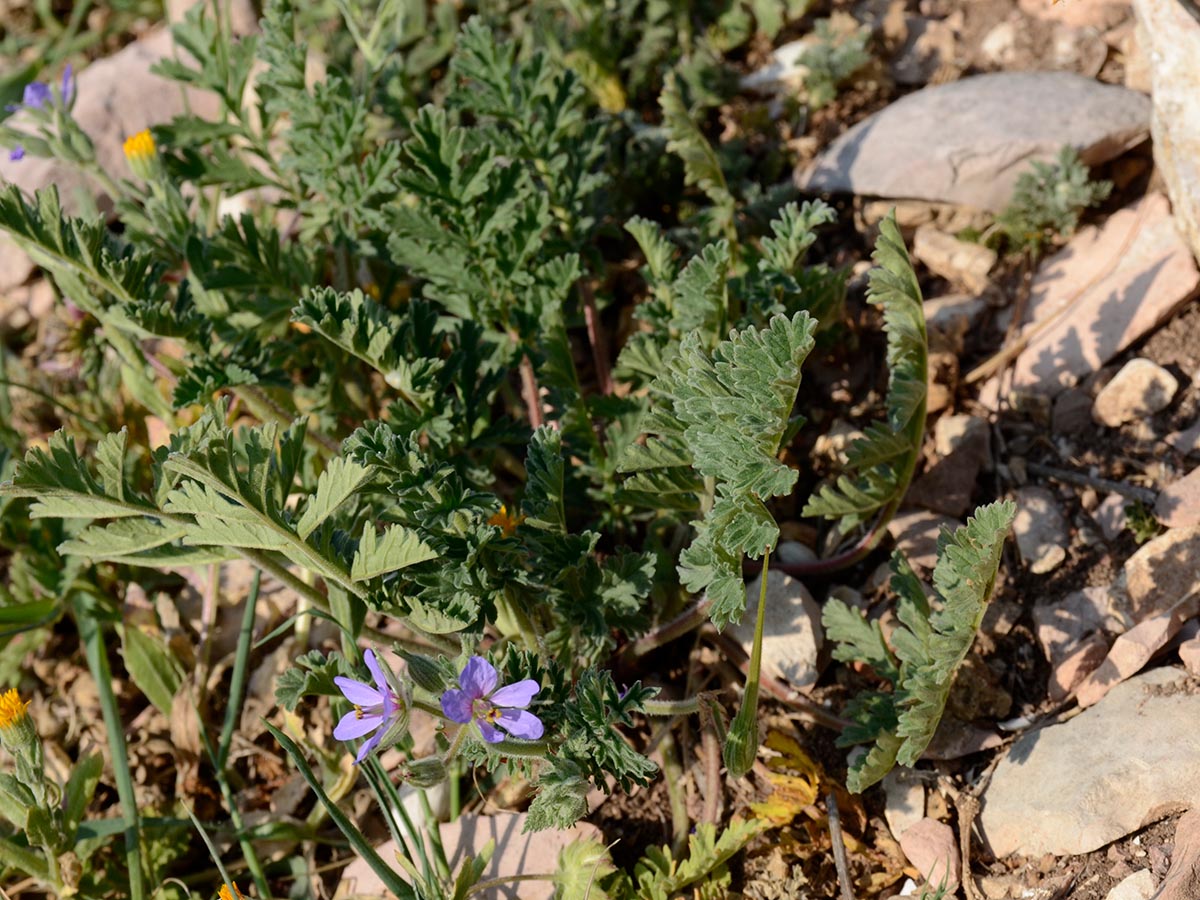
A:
[1076,666]
[1099,14]
[1178,506]
[1106,289]
[1062,626]
[1189,655]
[1186,441]
[916,531]
[516,853]
[1133,650]
[1163,571]
[931,847]
[1110,516]
[1182,881]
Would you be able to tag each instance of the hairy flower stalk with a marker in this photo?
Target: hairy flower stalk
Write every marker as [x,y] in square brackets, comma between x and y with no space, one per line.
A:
[380,710]
[742,746]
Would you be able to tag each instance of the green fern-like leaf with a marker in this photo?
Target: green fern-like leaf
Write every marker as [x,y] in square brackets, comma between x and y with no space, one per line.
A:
[928,646]
[727,413]
[701,166]
[881,464]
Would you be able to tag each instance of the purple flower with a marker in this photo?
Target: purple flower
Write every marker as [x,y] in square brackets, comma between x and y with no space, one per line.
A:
[36,95]
[481,702]
[68,85]
[17,153]
[379,708]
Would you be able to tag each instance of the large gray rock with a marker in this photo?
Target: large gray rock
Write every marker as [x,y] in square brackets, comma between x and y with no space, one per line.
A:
[1170,40]
[1071,788]
[967,142]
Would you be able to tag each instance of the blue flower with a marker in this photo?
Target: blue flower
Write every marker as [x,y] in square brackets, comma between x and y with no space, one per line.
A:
[480,701]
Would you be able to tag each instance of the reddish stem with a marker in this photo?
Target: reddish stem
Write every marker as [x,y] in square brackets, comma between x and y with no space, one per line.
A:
[530,392]
[597,337]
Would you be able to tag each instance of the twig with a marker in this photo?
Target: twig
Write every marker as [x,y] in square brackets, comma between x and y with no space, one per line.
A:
[1080,479]
[596,337]
[530,392]
[839,847]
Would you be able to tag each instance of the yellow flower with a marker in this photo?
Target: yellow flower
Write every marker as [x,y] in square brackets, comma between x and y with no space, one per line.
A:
[141,153]
[226,894]
[12,708]
[505,522]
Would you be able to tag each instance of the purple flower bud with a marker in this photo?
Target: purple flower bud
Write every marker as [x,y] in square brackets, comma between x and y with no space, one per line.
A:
[68,85]
[17,153]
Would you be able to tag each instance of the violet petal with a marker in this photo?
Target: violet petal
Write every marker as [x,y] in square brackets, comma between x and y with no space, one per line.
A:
[521,723]
[479,677]
[456,705]
[357,692]
[491,733]
[16,154]
[368,745]
[518,694]
[36,95]
[376,671]
[351,726]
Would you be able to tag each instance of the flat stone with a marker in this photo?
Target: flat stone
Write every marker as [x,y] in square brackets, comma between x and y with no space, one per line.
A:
[1178,504]
[792,633]
[15,264]
[116,97]
[794,553]
[1138,391]
[967,142]
[1101,14]
[964,446]
[1138,886]
[928,46]
[1061,626]
[916,531]
[1110,515]
[960,262]
[1170,39]
[1106,289]
[517,853]
[1182,881]
[1040,529]
[931,847]
[1072,412]
[1189,655]
[955,314]
[1132,650]
[1163,571]
[1071,788]
[1186,441]
[904,800]
[1088,655]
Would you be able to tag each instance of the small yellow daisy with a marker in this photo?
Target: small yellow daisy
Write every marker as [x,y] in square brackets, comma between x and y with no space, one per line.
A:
[12,708]
[505,522]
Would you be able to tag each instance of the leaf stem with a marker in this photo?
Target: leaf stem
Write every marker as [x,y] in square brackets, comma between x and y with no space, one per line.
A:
[93,642]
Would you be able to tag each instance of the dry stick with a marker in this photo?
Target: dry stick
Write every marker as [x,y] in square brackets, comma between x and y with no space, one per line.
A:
[530,392]
[1080,479]
[1007,354]
[839,847]
[596,337]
